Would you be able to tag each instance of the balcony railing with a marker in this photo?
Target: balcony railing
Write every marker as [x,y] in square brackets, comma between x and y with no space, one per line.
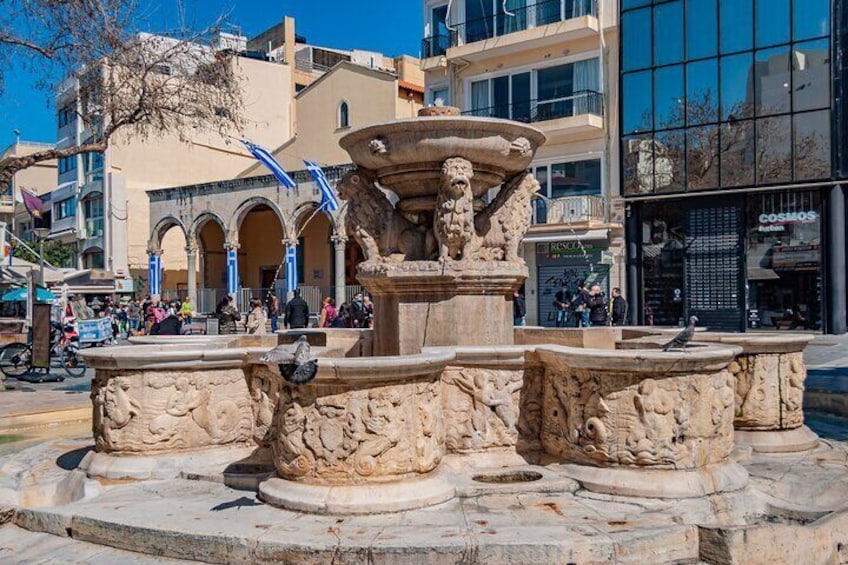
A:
[519,19]
[569,210]
[583,102]
[436,45]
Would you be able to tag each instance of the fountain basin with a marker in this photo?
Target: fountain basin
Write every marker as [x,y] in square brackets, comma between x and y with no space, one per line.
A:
[407,155]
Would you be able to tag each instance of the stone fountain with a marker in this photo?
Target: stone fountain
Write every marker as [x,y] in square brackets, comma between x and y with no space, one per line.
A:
[446,435]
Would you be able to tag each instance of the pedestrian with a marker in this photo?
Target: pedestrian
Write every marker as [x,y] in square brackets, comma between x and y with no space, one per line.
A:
[619,308]
[597,306]
[297,312]
[186,309]
[562,300]
[519,309]
[134,316]
[357,307]
[328,314]
[170,325]
[228,316]
[368,306]
[581,304]
[272,303]
[256,318]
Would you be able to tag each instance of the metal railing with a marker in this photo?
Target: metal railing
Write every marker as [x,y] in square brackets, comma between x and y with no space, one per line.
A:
[436,45]
[519,19]
[313,295]
[569,210]
[528,111]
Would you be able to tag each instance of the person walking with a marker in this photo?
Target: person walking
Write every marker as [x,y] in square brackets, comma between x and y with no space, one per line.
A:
[618,308]
[562,300]
[227,315]
[360,316]
[581,304]
[186,309]
[297,312]
[519,309]
[597,307]
[256,318]
[272,303]
[134,316]
[328,313]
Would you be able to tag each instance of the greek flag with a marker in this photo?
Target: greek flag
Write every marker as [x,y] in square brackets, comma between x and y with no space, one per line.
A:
[154,274]
[329,201]
[291,268]
[232,271]
[264,156]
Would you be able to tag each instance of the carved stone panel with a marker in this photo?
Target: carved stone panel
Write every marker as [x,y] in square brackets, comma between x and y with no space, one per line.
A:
[627,419]
[481,407]
[329,433]
[141,412]
[769,391]
[264,387]
[530,410]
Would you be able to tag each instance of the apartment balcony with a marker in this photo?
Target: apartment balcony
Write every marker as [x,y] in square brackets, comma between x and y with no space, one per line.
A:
[581,113]
[92,235]
[93,184]
[7,204]
[546,23]
[433,51]
[569,210]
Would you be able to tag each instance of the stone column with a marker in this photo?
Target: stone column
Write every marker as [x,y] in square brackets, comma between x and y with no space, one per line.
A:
[836,288]
[339,246]
[191,265]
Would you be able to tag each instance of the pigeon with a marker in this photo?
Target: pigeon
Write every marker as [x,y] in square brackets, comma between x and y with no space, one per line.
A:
[297,368]
[681,339]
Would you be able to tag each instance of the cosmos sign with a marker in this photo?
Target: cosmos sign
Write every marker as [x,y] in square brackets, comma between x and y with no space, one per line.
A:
[777,222]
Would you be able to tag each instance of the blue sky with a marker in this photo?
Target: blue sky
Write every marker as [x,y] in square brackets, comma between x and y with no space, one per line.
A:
[389,26]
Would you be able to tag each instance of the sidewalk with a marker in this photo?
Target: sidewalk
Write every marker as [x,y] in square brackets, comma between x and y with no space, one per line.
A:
[20,409]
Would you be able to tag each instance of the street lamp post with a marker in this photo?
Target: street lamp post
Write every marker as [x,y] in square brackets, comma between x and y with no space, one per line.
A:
[41,234]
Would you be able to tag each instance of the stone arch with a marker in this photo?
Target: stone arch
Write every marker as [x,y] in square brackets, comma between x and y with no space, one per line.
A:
[201,220]
[305,210]
[244,209]
[159,230]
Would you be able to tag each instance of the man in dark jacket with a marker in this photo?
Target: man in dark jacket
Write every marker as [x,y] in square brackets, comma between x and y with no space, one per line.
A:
[297,312]
[169,326]
[619,308]
[519,309]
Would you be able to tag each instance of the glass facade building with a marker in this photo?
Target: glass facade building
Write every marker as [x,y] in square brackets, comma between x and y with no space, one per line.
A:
[730,160]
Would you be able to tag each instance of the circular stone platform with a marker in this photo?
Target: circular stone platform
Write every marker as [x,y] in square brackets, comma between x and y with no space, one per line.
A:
[778,441]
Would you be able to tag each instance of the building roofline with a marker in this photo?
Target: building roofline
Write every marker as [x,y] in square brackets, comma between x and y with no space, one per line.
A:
[351,66]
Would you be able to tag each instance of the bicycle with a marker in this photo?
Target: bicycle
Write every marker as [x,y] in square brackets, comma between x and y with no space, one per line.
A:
[16,358]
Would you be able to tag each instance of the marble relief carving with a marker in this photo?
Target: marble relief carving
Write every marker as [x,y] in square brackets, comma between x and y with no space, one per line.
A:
[769,390]
[530,409]
[622,419]
[164,411]
[264,388]
[326,433]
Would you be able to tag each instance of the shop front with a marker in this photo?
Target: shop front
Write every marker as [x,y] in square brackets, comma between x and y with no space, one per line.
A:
[741,262]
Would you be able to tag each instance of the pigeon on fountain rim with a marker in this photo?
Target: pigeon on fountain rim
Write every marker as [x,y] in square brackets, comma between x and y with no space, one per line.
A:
[297,368]
[684,337]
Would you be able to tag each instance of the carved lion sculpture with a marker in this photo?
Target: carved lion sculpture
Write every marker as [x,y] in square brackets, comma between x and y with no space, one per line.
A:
[502,225]
[377,226]
[455,210]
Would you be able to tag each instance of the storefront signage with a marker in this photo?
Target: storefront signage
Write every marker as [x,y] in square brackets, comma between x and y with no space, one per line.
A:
[777,222]
[559,248]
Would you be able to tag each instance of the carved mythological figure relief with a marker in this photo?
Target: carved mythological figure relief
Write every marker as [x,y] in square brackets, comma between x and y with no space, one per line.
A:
[625,420]
[265,393]
[530,409]
[503,224]
[455,210]
[769,391]
[325,432]
[148,412]
[481,407]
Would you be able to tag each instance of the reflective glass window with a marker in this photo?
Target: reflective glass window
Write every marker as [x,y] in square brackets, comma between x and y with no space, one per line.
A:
[500,97]
[772,22]
[702,92]
[521,97]
[668,39]
[772,81]
[669,161]
[737,86]
[811,75]
[627,4]
[701,28]
[638,155]
[637,94]
[668,97]
[811,139]
[702,157]
[774,150]
[810,18]
[737,153]
[636,35]
[578,178]
[737,25]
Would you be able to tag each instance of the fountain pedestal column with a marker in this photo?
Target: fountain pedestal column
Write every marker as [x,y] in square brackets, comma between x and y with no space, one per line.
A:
[428,304]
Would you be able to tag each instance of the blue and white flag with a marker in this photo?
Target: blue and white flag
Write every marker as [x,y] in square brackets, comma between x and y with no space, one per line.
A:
[232,271]
[264,156]
[291,268]
[329,200]
[154,274]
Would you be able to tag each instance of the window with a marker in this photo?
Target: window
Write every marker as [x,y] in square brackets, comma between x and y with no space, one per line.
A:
[575,178]
[93,260]
[65,208]
[67,114]
[344,115]
[93,211]
[440,94]
[67,164]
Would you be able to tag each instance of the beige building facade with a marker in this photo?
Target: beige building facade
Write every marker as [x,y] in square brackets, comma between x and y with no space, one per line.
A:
[552,64]
[40,179]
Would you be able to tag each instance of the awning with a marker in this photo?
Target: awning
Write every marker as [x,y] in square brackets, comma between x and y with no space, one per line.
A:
[589,235]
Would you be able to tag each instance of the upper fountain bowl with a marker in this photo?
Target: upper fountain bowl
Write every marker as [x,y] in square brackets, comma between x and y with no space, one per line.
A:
[407,155]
